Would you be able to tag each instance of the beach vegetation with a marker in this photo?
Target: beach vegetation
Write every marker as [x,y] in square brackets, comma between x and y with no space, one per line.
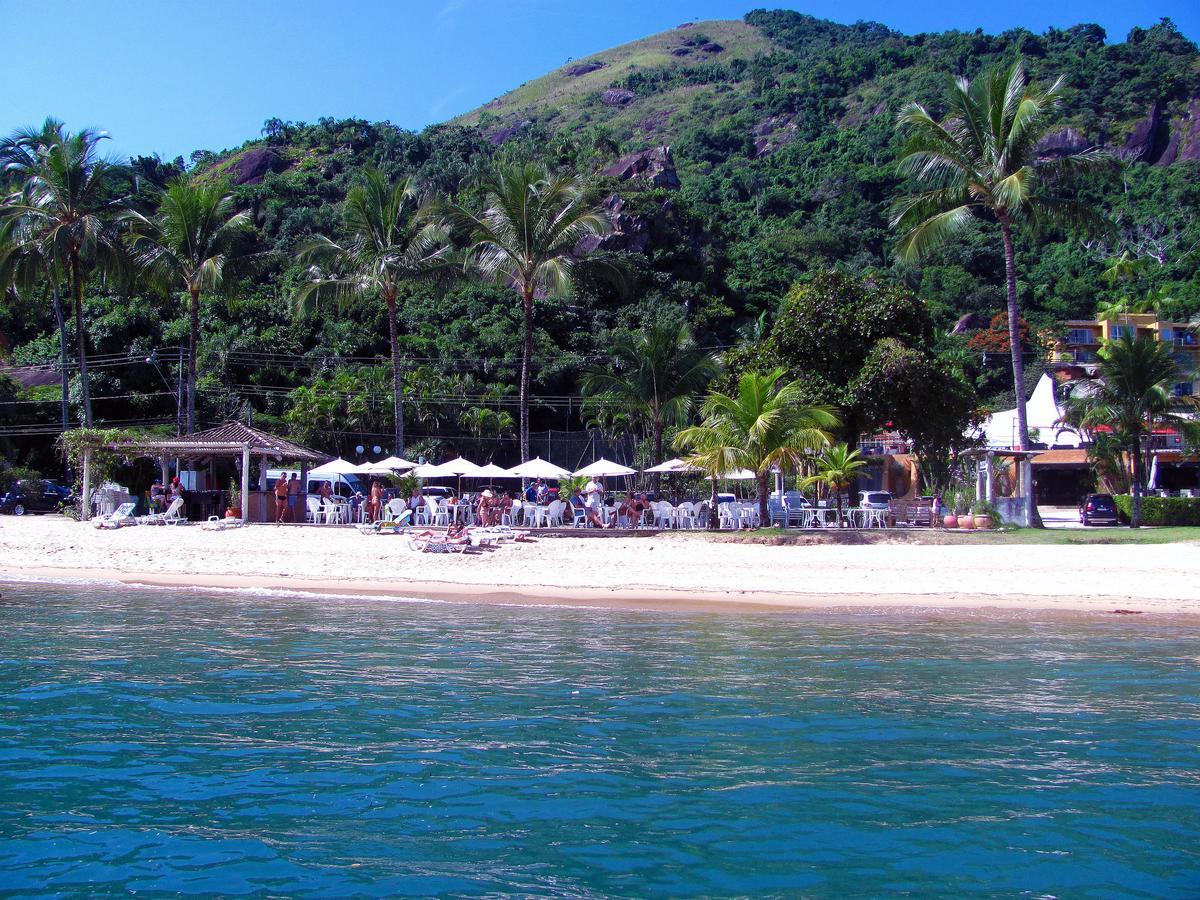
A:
[837,466]
[1131,397]
[655,375]
[982,157]
[184,247]
[395,238]
[764,424]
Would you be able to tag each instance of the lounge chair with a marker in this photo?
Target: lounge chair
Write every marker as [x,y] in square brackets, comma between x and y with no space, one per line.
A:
[172,516]
[389,525]
[433,542]
[215,523]
[122,515]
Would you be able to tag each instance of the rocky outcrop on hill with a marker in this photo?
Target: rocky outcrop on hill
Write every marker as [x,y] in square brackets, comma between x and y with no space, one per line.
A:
[1062,143]
[772,133]
[1183,141]
[499,135]
[253,165]
[629,234]
[617,97]
[1148,139]
[585,68]
[655,167]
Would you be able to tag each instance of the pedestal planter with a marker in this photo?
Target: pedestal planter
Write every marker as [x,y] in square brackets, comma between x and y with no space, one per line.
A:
[966,522]
[950,521]
[983,522]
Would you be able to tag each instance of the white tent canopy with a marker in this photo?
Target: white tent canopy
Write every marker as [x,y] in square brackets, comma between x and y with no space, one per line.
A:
[338,466]
[738,475]
[538,468]
[605,468]
[1043,415]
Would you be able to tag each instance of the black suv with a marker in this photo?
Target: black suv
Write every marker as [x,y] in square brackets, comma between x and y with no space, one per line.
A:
[1098,509]
[29,496]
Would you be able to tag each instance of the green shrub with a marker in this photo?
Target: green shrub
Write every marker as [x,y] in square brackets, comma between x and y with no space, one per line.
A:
[1162,510]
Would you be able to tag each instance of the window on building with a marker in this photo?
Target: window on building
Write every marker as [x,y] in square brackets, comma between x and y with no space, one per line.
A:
[1080,336]
[1183,389]
[1120,331]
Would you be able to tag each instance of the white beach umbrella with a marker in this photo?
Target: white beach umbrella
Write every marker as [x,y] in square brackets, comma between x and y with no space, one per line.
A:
[605,468]
[396,464]
[538,468]
[674,467]
[739,475]
[460,467]
[338,466]
[374,469]
[491,470]
[429,470]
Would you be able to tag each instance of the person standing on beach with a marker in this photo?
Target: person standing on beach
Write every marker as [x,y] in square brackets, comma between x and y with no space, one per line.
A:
[281,498]
[293,501]
[594,494]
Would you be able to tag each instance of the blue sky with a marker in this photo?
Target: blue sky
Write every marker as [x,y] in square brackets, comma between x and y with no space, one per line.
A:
[171,77]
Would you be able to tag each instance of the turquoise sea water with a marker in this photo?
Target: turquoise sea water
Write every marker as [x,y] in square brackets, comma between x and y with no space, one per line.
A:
[165,741]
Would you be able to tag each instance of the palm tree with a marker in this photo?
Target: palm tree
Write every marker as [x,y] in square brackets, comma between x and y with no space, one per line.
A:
[184,246]
[837,467]
[1132,396]
[65,210]
[395,237]
[526,238]
[764,425]
[982,158]
[26,267]
[655,375]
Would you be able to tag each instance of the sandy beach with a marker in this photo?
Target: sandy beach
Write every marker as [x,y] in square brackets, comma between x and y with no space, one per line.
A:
[662,571]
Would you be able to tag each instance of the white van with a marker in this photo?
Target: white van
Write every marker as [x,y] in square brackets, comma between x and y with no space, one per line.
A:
[343,486]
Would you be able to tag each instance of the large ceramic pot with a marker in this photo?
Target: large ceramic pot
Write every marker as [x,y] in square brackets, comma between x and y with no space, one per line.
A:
[233,512]
[983,522]
[966,521]
[950,521]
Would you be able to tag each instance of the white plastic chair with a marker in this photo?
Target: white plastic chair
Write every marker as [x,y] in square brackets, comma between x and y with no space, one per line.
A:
[685,515]
[727,516]
[435,512]
[315,512]
[554,513]
[512,516]
[664,514]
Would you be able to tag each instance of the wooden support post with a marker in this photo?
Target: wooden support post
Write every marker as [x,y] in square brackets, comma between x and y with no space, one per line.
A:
[246,483]
[990,488]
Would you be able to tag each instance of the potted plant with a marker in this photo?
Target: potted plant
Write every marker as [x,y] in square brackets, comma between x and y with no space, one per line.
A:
[965,519]
[983,515]
[950,519]
[234,510]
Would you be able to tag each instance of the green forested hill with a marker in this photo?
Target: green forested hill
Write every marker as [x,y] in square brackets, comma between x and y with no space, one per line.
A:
[781,164]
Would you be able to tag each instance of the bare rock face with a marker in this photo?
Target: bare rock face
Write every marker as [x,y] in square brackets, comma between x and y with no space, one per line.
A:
[500,135]
[772,133]
[254,165]
[654,166]
[629,234]
[1148,139]
[681,51]
[1183,144]
[584,68]
[617,97]
[1061,143]
[711,47]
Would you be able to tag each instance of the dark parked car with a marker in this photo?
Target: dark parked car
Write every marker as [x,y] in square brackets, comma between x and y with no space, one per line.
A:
[1098,509]
[28,496]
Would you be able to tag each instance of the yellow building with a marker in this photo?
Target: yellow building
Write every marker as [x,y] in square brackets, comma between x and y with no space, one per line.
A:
[1084,337]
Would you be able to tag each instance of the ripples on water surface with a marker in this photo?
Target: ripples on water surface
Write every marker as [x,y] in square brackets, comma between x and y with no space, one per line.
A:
[163,741]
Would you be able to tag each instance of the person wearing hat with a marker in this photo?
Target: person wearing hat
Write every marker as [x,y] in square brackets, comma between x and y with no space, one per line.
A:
[485,508]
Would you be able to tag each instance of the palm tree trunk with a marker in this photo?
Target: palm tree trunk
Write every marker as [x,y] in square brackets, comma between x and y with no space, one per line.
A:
[81,343]
[764,516]
[193,345]
[397,381]
[1135,519]
[62,353]
[526,363]
[714,521]
[658,453]
[1014,331]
